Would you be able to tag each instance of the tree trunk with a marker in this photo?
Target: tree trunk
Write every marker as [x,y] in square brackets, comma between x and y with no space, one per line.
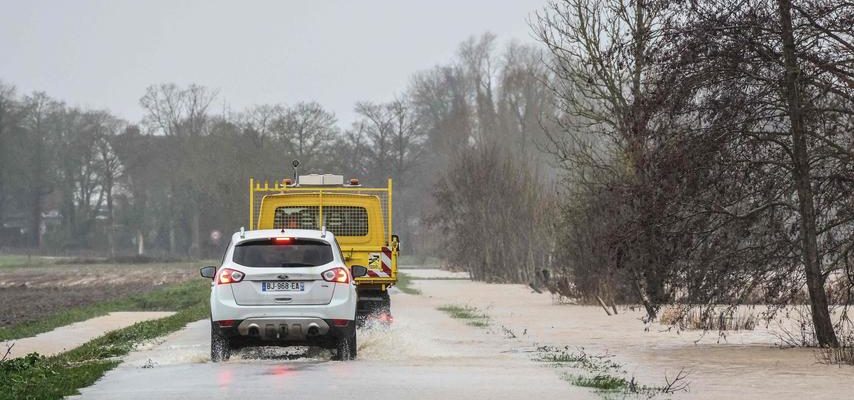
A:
[194,233]
[822,322]
[172,237]
[36,218]
[111,241]
[140,243]
[2,197]
[3,167]
[172,213]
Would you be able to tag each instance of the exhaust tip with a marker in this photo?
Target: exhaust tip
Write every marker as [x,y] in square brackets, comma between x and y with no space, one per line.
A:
[313,330]
[254,330]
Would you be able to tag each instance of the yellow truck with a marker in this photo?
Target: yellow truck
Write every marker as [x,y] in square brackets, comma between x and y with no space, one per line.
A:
[359,217]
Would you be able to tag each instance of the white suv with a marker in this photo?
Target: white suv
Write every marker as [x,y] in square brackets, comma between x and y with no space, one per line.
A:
[282,288]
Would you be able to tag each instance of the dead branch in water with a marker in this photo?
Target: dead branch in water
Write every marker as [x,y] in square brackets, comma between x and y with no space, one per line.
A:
[678,384]
[8,351]
[604,307]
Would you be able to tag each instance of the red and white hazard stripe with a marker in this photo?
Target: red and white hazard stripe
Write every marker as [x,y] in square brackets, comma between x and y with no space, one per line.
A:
[385,264]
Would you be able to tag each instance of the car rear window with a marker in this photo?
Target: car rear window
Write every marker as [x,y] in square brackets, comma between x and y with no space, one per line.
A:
[340,220]
[281,253]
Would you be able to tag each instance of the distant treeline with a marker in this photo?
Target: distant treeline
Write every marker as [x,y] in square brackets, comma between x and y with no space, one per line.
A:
[74,179]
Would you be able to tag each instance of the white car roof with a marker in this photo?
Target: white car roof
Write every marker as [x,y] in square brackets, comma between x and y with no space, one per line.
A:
[273,233]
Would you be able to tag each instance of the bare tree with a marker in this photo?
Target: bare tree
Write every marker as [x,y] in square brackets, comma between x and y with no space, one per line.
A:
[608,99]
[110,168]
[495,215]
[264,122]
[309,128]
[173,111]
[184,115]
[524,101]
[40,130]
[393,138]
[765,66]
[8,102]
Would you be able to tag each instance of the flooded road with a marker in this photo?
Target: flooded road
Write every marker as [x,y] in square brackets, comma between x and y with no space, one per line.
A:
[428,355]
[424,355]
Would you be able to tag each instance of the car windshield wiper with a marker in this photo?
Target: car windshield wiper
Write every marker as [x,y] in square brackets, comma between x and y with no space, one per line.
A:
[296,265]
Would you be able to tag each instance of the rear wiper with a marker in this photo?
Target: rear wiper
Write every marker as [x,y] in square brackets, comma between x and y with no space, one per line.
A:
[296,265]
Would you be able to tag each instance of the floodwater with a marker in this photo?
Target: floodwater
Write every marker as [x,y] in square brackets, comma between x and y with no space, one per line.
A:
[742,365]
[427,355]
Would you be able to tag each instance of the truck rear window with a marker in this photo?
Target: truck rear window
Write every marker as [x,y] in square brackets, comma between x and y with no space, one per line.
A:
[268,253]
[340,220]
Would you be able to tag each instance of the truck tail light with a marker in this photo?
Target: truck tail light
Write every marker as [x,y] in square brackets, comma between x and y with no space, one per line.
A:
[336,275]
[228,275]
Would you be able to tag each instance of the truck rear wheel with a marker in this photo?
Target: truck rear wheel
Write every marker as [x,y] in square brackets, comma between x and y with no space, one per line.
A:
[373,305]
[385,306]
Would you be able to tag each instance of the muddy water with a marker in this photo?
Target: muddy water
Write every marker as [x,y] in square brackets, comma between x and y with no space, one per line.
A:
[427,355]
[434,274]
[743,365]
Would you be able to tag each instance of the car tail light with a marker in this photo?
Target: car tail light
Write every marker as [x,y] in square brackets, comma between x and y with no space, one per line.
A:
[226,323]
[228,275]
[337,275]
[341,323]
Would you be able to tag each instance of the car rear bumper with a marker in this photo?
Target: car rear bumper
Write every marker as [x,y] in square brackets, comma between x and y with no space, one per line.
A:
[287,330]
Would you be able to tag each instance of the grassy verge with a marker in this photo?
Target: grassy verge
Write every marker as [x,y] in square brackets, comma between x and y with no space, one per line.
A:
[168,298]
[472,315]
[38,377]
[404,283]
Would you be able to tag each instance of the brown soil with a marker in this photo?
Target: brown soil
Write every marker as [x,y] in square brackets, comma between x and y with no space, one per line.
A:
[29,294]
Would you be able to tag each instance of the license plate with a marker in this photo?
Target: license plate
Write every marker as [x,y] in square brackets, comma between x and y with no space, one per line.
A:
[282,286]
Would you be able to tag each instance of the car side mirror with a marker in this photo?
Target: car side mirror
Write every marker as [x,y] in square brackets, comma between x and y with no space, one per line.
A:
[208,272]
[358,271]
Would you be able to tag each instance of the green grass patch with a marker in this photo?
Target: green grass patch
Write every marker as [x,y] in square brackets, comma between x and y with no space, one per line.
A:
[404,283]
[561,357]
[473,315]
[16,260]
[578,359]
[480,323]
[604,382]
[167,298]
[38,377]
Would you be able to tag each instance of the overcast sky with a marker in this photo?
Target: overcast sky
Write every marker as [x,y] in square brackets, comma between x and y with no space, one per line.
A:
[102,54]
